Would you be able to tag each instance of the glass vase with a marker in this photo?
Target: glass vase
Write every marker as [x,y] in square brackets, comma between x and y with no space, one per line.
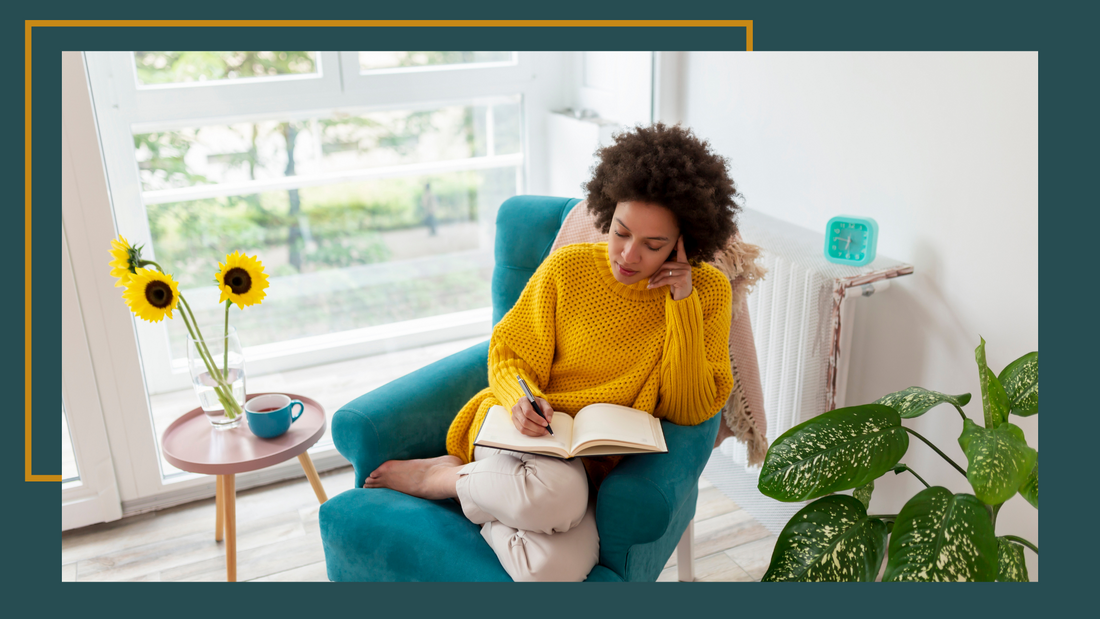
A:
[217,372]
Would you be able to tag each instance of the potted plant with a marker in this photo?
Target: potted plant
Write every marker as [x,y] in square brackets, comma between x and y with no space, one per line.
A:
[938,535]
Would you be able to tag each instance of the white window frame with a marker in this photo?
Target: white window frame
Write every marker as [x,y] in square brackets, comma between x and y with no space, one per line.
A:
[350,62]
[94,496]
[539,79]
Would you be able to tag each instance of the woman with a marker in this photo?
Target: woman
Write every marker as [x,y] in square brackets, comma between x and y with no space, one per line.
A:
[638,321]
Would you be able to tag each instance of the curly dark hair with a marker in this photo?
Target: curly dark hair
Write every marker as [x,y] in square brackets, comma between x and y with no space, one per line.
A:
[671,167]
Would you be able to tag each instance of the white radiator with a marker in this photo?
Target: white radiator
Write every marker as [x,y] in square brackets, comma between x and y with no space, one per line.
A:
[802,315]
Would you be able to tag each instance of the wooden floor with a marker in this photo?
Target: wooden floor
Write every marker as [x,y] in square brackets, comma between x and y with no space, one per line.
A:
[278,539]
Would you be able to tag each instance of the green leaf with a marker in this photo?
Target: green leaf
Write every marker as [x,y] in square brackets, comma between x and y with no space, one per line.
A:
[998,460]
[916,401]
[994,399]
[863,494]
[1021,382]
[942,537]
[1011,566]
[829,540]
[838,450]
[1030,488]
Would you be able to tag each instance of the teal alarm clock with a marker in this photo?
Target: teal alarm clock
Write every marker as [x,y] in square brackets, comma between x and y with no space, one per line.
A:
[851,240]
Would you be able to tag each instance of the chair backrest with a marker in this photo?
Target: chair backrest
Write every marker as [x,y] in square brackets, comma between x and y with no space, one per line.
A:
[526,227]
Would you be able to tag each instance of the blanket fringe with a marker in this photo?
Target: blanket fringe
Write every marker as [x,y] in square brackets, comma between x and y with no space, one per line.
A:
[738,420]
[738,262]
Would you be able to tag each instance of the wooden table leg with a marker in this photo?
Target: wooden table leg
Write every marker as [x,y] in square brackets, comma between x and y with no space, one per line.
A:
[230,528]
[314,479]
[219,506]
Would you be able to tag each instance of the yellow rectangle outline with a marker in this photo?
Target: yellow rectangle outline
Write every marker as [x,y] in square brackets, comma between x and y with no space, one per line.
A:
[351,23]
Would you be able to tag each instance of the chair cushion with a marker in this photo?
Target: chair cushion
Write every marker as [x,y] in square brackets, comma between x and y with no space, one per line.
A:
[383,535]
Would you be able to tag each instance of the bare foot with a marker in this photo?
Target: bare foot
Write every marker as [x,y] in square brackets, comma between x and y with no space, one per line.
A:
[430,478]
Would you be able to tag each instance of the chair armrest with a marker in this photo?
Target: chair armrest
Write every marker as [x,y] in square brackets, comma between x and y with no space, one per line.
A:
[642,494]
[409,417]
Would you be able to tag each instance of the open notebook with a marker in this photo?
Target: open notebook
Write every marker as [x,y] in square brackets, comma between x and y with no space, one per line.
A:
[597,430]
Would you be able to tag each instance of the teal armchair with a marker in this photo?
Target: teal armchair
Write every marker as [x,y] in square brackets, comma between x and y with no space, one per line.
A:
[643,507]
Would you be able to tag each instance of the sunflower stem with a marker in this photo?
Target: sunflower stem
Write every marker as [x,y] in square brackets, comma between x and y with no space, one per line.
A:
[204,354]
[225,362]
[221,388]
[217,376]
[209,358]
[200,343]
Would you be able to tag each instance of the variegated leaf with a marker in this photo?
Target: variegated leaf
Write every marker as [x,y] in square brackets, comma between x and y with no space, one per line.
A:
[995,404]
[998,460]
[1030,488]
[1021,382]
[829,540]
[863,493]
[1011,566]
[916,401]
[942,537]
[838,450]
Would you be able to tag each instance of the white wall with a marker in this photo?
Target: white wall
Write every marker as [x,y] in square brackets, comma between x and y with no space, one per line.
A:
[617,86]
[942,150]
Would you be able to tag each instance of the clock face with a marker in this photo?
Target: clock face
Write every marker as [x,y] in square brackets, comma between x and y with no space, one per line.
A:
[851,240]
[848,240]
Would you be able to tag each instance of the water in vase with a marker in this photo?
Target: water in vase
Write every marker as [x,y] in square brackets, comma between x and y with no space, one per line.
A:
[208,398]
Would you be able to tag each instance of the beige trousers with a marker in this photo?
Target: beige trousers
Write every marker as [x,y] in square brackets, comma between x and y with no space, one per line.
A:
[534,512]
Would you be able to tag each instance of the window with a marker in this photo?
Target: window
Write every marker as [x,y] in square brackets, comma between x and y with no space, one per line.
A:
[367,183]
[360,220]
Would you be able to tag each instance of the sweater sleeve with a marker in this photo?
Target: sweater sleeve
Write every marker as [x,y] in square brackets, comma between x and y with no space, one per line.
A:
[696,379]
[522,343]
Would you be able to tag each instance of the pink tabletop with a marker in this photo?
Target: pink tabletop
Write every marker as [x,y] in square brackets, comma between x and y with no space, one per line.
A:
[191,444]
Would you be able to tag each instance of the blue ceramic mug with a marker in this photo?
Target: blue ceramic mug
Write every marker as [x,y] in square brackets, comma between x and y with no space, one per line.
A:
[270,415]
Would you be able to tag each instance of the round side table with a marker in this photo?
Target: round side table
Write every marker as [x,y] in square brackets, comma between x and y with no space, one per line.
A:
[191,444]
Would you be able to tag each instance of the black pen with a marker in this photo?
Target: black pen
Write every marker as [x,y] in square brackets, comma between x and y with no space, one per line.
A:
[534,404]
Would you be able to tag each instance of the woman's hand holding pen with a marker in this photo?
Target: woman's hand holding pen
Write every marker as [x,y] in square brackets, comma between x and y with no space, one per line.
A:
[676,274]
[527,421]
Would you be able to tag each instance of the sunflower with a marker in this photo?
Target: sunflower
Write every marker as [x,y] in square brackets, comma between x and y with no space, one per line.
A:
[126,258]
[242,280]
[151,295]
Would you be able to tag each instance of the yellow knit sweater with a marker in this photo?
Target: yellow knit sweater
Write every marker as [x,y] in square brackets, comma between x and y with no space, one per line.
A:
[578,336]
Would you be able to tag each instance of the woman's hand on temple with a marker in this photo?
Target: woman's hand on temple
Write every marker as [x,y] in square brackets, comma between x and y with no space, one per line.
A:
[674,274]
[527,421]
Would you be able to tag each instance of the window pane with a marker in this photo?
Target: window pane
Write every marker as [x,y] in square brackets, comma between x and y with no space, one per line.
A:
[349,256]
[361,221]
[373,61]
[507,125]
[269,150]
[69,471]
[191,67]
